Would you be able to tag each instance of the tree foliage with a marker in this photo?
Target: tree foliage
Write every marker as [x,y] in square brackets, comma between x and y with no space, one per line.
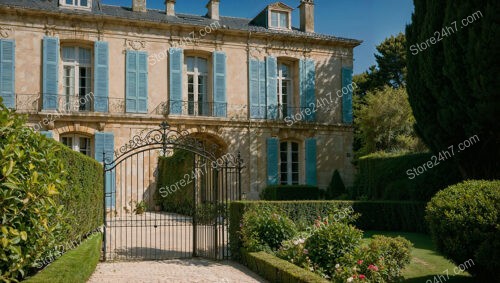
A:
[453,84]
[385,122]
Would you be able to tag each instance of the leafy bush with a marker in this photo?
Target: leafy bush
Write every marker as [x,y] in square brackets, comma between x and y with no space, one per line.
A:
[31,175]
[327,245]
[336,187]
[264,230]
[290,192]
[384,176]
[464,223]
[170,195]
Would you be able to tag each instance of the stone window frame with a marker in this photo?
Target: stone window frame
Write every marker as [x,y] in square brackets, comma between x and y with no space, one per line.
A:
[277,10]
[62,3]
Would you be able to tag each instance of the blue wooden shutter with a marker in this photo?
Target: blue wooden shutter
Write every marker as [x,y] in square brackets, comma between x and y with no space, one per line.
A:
[7,72]
[131,81]
[347,98]
[272,87]
[176,63]
[272,161]
[307,78]
[101,76]
[142,82]
[48,134]
[311,176]
[253,73]
[105,142]
[219,74]
[262,90]
[50,72]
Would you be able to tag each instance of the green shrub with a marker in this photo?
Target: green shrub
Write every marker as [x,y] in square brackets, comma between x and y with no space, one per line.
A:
[290,192]
[327,245]
[464,222]
[170,195]
[383,176]
[336,187]
[264,230]
[278,270]
[31,175]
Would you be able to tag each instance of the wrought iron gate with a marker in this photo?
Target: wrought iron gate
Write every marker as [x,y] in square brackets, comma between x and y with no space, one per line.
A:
[136,227]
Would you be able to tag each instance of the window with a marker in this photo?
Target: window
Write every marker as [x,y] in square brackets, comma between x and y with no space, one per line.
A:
[289,163]
[284,89]
[78,143]
[279,19]
[77,78]
[76,3]
[197,79]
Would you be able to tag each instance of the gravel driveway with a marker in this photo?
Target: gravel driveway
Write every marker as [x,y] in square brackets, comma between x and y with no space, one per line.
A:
[189,270]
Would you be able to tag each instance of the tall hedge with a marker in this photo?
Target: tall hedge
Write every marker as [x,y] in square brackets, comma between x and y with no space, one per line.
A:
[384,177]
[375,215]
[49,196]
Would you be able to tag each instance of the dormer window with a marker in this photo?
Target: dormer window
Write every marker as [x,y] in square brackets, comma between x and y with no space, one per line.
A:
[78,4]
[279,19]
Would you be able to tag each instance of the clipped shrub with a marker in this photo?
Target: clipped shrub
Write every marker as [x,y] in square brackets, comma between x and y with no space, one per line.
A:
[327,245]
[384,176]
[265,229]
[336,187]
[290,192]
[464,222]
[170,195]
[31,176]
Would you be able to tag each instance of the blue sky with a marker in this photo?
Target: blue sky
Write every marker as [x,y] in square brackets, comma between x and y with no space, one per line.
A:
[368,20]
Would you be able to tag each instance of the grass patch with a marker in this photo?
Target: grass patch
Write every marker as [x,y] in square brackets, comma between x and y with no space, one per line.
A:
[426,262]
[74,266]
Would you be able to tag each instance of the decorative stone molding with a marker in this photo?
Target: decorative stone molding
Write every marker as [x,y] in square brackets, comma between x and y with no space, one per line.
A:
[50,30]
[135,44]
[6,31]
[101,126]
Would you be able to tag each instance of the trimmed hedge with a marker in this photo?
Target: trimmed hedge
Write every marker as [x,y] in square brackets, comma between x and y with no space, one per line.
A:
[278,270]
[375,215]
[383,176]
[290,192]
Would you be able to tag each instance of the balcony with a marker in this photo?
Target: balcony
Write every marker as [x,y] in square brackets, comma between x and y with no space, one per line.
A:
[284,112]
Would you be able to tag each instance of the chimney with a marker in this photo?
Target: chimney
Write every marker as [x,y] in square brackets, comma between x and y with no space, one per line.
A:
[307,15]
[213,9]
[170,7]
[139,5]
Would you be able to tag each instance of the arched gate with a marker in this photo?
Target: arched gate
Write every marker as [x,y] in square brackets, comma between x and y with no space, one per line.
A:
[140,224]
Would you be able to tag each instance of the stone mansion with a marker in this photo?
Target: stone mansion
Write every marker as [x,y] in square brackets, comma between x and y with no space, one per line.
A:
[92,76]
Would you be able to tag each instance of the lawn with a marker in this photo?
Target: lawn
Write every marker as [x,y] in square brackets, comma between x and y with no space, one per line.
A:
[75,266]
[426,264]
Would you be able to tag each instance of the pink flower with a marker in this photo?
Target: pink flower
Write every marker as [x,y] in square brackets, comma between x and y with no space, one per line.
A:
[373,267]
[360,262]
[362,277]
[306,251]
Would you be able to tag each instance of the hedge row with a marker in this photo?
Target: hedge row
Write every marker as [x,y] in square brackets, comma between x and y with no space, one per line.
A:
[384,176]
[290,192]
[375,215]
[278,270]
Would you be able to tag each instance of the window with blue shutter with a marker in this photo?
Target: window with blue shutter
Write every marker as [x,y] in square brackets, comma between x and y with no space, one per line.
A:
[272,87]
[105,142]
[137,82]
[176,63]
[257,79]
[7,72]
[101,76]
[307,76]
[272,161]
[219,76]
[47,134]
[347,116]
[311,164]
[50,72]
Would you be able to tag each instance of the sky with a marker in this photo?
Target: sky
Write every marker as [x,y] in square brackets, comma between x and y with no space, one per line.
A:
[369,20]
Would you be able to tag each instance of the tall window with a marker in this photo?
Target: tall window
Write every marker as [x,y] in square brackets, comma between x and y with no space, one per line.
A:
[197,78]
[284,89]
[279,19]
[77,78]
[289,163]
[77,143]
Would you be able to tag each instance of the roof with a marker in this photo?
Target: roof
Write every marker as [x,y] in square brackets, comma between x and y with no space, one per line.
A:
[159,16]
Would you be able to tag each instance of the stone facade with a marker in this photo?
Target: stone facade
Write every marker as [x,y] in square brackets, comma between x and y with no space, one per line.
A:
[235,132]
